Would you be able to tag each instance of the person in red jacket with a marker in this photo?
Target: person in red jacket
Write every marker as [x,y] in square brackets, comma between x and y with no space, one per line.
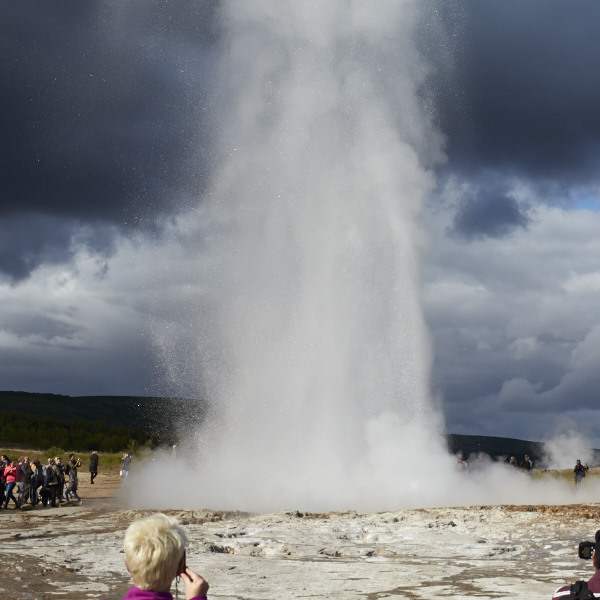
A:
[10,474]
[4,462]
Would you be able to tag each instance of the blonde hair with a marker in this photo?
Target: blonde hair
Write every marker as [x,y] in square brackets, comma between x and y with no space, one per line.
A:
[154,545]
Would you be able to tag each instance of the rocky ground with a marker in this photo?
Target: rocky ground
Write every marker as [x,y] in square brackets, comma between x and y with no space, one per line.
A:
[74,552]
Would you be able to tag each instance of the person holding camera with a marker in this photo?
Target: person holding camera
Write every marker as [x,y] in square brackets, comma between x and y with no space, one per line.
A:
[155,556]
[579,472]
[527,464]
[582,590]
[71,471]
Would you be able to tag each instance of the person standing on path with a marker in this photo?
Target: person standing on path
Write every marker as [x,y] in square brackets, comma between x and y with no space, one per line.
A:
[60,473]
[125,466]
[51,484]
[527,464]
[10,474]
[71,470]
[579,472]
[93,466]
[27,472]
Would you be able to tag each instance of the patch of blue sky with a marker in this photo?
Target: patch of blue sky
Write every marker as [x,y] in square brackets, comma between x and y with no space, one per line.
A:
[586,203]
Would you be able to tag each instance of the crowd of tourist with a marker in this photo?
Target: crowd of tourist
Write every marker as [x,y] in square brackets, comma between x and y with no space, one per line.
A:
[24,482]
[481,460]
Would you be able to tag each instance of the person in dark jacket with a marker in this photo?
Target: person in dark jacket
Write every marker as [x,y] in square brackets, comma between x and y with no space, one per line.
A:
[27,473]
[579,472]
[37,481]
[60,471]
[93,466]
[19,487]
[72,466]
[593,584]
[52,475]
[526,463]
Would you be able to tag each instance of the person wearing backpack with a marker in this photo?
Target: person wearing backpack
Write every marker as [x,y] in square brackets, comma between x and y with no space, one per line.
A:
[37,481]
[52,476]
[582,590]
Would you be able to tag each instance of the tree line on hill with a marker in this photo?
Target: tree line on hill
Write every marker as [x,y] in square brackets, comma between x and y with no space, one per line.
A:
[103,423]
[44,432]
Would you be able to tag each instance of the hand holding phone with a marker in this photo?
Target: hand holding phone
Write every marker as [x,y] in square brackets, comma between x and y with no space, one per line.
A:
[195,585]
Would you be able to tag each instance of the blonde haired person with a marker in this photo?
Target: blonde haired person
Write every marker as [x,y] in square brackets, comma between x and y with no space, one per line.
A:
[155,555]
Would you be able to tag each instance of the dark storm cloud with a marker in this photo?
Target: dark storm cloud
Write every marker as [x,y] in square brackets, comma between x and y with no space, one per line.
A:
[104,110]
[521,91]
[514,324]
[488,214]
[31,239]
[101,108]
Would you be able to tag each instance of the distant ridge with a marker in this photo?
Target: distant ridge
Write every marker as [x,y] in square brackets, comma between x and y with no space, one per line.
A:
[497,448]
[130,411]
[159,417]
[155,416]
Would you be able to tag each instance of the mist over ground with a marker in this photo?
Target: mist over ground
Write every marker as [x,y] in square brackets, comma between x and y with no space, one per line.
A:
[399,481]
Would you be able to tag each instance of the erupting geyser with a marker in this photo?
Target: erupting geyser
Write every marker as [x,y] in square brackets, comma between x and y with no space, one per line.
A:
[303,324]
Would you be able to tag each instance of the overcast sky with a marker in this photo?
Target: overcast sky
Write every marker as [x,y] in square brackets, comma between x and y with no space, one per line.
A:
[106,138]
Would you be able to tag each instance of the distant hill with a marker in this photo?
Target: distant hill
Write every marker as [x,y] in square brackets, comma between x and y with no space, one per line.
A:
[496,447]
[130,411]
[159,417]
[503,448]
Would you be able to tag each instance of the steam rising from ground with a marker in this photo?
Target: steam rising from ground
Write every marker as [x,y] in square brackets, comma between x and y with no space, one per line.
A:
[396,483]
[296,286]
[563,449]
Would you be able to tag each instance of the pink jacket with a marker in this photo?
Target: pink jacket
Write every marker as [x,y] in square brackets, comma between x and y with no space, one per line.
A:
[10,473]
[135,593]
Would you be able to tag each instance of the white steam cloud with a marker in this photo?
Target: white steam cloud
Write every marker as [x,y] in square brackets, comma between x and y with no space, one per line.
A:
[562,449]
[291,298]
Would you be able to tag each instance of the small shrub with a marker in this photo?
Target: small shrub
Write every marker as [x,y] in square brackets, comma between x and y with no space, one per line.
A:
[133,447]
[54,451]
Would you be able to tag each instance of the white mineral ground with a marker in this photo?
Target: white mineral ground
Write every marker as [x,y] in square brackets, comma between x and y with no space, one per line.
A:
[75,552]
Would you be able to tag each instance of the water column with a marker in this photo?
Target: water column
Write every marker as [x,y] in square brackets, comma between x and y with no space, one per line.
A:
[311,346]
